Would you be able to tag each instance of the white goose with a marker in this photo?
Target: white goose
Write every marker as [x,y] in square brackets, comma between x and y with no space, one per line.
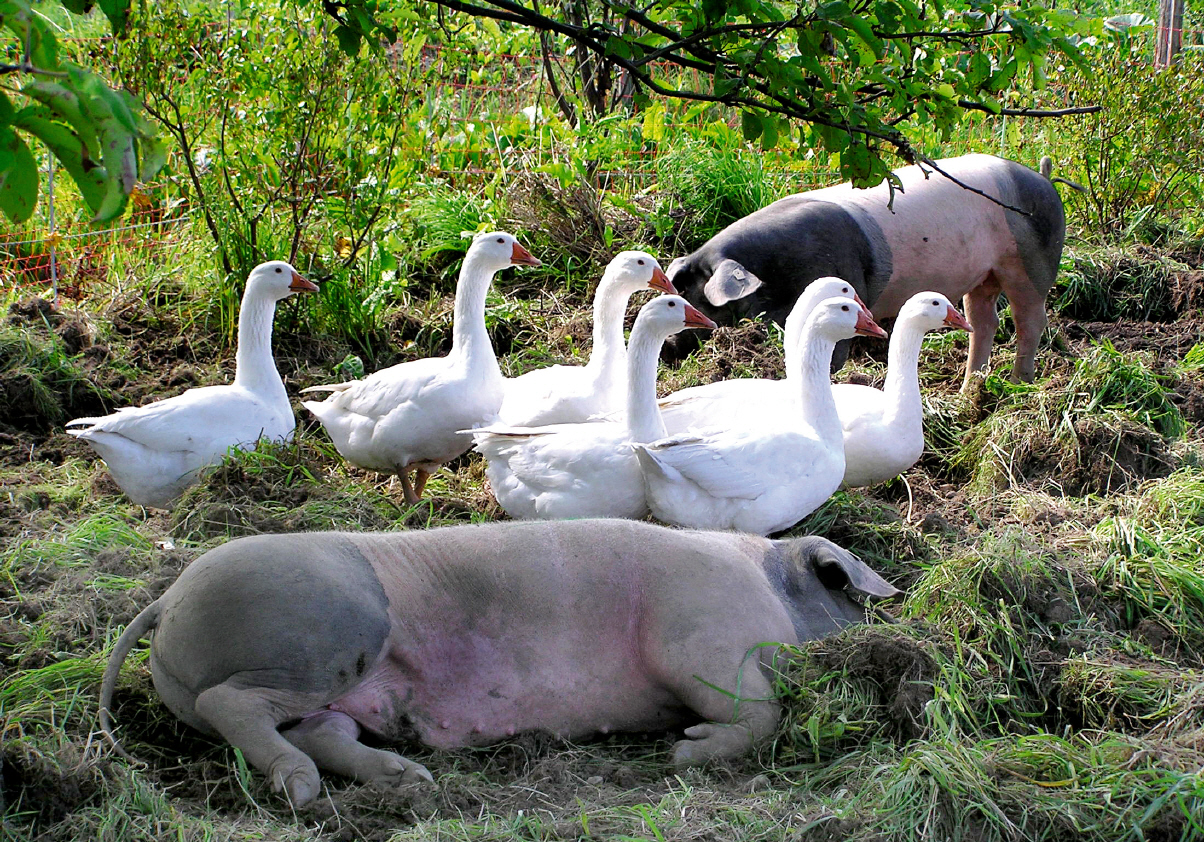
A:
[562,394]
[742,402]
[155,451]
[589,469]
[884,429]
[766,478]
[408,417]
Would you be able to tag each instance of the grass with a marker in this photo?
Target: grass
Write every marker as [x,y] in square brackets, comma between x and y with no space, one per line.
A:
[718,181]
[1040,679]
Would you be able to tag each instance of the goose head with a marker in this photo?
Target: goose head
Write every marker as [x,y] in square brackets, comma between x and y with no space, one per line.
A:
[840,318]
[497,250]
[277,280]
[666,315]
[815,292]
[931,310]
[632,271]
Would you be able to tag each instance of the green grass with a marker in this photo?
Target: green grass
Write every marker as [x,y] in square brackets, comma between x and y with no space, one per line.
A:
[1043,678]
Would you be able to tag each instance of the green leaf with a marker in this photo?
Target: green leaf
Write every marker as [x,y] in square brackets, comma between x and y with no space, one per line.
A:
[69,149]
[115,126]
[6,109]
[750,123]
[769,132]
[118,13]
[79,7]
[866,33]
[653,127]
[18,177]
[349,39]
[616,46]
[66,104]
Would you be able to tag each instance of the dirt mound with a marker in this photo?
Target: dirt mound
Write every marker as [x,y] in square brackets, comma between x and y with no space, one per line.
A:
[898,667]
[1168,341]
[276,488]
[44,789]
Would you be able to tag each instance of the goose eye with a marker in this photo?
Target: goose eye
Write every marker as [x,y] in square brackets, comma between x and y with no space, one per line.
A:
[641,262]
[501,239]
[844,291]
[672,303]
[278,270]
[844,307]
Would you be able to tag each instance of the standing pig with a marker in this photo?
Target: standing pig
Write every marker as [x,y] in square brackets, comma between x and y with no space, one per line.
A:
[289,645]
[939,236]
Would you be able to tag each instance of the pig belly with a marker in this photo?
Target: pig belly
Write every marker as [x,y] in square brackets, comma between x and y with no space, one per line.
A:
[484,692]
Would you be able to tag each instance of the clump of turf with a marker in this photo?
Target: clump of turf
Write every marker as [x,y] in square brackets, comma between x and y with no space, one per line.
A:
[870,683]
[278,488]
[1100,430]
[41,386]
[1110,284]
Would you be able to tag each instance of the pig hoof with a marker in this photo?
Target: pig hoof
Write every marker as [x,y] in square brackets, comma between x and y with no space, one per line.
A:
[396,771]
[417,772]
[302,785]
[710,741]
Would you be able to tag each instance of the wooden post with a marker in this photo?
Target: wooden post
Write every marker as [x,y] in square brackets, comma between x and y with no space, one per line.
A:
[1169,32]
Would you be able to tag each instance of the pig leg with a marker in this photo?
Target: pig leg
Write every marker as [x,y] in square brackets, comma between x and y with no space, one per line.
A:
[248,718]
[1028,312]
[331,739]
[734,727]
[980,313]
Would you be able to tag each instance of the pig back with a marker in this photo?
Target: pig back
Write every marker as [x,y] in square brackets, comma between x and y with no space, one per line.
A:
[940,236]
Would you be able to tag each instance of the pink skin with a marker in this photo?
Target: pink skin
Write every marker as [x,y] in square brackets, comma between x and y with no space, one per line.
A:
[947,239]
[289,646]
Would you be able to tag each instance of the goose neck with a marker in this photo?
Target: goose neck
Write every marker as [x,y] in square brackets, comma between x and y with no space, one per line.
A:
[254,367]
[608,355]
[470,339]
[814,392]
[644,420]
[902,388]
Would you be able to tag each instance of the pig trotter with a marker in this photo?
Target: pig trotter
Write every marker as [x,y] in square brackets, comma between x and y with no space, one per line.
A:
[711,741]
[248,721]
[331,739]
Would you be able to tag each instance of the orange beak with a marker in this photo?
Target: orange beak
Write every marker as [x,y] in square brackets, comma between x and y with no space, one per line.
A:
[857,298]
[661,282]
[866,326]
[521,257]
[697,319]
[955,319]
[299,284]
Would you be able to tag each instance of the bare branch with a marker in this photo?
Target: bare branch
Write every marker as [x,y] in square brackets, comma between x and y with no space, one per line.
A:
[1029,112]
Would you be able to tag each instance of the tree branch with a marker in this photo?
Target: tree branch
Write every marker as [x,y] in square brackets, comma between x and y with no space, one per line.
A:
[1029,112]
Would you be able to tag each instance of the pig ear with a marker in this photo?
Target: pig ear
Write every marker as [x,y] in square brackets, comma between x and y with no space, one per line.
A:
[728,282]
[838,568]
[677,264]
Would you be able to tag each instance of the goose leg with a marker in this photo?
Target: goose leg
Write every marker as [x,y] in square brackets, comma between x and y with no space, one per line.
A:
[420,478]
[407,487]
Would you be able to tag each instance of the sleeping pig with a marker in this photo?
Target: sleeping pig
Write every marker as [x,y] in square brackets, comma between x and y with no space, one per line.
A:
[289,646]
[939,236]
